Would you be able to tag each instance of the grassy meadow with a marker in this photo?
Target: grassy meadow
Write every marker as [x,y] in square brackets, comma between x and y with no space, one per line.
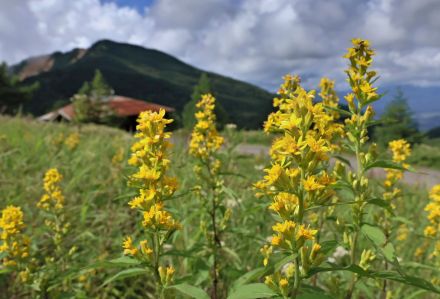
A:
[94,212]
[95,173]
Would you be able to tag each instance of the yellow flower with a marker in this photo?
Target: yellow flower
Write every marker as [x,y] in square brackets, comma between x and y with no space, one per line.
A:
[205,139]
[13,241]
[284,203]
[146,196]
[145,249]
[72,141]
[128,247]
[434,194]
[286,227]
[283,283]
[400,150]
[306,233]
[11,221]
[157,218]
[266,251]
[312,184]
[430,231]
[53,199]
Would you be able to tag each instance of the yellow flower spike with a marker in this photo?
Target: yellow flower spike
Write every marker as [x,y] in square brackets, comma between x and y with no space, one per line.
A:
[295,180]
[128,247]
[205,139]
[266,251]
[400,150]
[433,209]
[72,141]
[150,155]
[53,199]
[13,241]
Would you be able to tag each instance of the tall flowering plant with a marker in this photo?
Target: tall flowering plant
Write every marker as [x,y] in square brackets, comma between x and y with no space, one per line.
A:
[204,144]
[57,254]
[150,156]
[14,244]
[296,182]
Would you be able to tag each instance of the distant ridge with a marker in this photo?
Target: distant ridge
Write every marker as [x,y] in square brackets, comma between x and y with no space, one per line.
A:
[141,73]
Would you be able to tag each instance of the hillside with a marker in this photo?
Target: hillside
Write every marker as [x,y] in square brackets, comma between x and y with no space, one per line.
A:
[141,73]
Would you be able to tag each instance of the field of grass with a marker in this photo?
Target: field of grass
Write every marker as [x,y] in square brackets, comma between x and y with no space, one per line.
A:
[96,195]
[95,187]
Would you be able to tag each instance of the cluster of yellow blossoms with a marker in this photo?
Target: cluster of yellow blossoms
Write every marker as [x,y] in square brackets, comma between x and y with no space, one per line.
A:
[296,180]
[53,199]
[72,141]
[14,243]
[360,80]
[400,150]
[205,139]
[52,202]
[150,155]
[328,95]
[359,77]
[433,209]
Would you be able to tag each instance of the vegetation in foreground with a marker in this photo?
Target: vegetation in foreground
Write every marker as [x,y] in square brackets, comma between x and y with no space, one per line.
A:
[313,230]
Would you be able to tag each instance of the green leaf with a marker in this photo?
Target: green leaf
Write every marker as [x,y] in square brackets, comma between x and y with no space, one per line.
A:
[191,291]
[125,274]
[328,246]
[416,294]
[252,291]
[125,260]
[381,203]
[249,276]
[386,164]
[342,159]
[389,275]
[374,233]
[420,266]
[389,252]
[339,110]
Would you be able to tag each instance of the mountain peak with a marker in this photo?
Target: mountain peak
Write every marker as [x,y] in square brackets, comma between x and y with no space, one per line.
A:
[138,72]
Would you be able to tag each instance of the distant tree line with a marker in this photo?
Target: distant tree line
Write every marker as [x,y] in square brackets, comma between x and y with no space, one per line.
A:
[13,94]
[397,122]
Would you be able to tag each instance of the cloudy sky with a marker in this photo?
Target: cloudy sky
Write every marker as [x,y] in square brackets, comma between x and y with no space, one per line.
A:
[252,40]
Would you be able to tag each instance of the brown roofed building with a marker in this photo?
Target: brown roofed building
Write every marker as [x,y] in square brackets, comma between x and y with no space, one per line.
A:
[128,109]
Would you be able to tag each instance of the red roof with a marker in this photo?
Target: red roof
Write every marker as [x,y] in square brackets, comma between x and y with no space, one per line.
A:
[123,106]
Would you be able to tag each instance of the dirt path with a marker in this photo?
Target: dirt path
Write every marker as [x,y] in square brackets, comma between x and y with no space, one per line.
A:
[423,177]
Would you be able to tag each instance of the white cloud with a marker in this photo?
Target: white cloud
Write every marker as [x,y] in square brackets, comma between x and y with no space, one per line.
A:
[254,40]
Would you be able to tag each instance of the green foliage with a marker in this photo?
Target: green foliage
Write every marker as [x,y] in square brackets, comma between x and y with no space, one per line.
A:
[90,103]
[397,122]
[96,197]
[202,87]
[426,154]
[13,94]
[433,133]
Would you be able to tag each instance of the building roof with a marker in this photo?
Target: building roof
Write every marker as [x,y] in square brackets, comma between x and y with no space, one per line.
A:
[122,106]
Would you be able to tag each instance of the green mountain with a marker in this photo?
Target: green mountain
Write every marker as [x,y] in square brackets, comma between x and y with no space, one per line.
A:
[141,73]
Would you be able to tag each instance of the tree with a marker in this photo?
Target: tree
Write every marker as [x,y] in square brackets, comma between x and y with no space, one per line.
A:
[12,92]
[397,122]
[202,87]
[89,102]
